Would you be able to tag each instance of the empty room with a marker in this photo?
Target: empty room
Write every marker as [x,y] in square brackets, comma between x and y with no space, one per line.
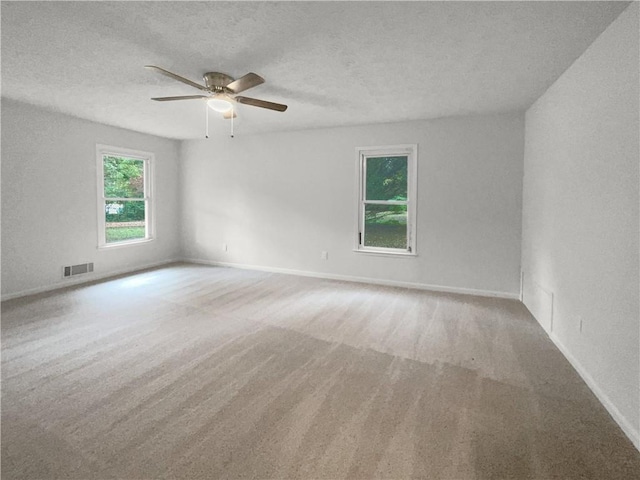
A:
[320,240]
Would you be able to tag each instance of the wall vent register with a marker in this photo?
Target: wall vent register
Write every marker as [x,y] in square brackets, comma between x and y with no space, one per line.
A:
[79,269]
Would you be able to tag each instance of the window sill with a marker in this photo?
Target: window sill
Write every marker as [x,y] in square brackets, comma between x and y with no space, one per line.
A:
[108,246]
[385,254]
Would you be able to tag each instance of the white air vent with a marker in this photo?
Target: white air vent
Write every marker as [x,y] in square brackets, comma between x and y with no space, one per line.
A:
[72,270]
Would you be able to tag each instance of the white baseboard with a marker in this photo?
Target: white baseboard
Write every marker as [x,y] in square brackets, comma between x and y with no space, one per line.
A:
[86,278]
[349,278]
[624,424]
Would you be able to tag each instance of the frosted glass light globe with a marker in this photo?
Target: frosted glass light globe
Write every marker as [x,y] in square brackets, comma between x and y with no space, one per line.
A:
[220,104]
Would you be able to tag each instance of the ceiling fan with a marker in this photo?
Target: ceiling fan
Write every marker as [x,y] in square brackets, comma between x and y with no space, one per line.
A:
[221,91]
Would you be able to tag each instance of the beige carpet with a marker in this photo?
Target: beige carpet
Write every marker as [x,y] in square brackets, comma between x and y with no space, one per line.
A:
[202,372]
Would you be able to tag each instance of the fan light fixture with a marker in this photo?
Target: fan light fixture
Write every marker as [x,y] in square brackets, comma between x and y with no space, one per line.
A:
[221,93]
[220,104]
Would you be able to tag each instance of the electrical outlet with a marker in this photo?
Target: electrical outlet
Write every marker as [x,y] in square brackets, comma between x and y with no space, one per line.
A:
[225,247]
[324,255]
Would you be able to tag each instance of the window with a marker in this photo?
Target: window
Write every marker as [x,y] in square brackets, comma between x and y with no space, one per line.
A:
[125,208]
[387,200]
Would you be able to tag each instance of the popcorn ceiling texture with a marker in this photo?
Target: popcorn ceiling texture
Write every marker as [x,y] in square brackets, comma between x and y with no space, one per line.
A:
[333,63]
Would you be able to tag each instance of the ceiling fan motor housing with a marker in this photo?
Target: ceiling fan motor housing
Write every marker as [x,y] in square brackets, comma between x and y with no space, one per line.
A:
[216,81]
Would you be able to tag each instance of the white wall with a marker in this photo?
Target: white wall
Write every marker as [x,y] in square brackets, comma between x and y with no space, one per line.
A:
[580,216]
[278,200]
[49,198]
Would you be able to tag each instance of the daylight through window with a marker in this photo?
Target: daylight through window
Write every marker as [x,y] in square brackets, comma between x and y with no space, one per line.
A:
[124,210]
[386,200]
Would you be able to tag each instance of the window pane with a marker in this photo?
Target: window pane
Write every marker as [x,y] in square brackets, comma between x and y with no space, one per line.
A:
[123,177]
[125,220]
[386,178]
[385,226]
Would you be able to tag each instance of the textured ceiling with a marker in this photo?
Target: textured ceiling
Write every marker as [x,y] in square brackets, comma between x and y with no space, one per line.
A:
[333,63]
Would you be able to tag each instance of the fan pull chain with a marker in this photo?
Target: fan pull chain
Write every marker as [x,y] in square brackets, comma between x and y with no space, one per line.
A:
[233,114]
[206,120]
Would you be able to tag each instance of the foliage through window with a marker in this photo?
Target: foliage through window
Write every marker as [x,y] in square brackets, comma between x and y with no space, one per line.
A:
[386,200]
[124,203]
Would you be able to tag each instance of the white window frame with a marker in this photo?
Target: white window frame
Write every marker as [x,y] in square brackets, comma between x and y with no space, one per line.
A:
[362,153]
[149,198]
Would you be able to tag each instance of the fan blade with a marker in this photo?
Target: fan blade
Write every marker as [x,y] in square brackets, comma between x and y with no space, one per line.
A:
[228,114]
[261,103]
[250,80]
[185,97]
[167,73]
